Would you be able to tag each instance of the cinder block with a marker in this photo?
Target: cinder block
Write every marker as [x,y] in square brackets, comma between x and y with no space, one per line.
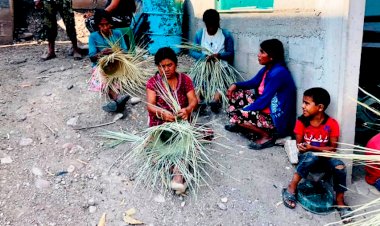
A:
[292,151]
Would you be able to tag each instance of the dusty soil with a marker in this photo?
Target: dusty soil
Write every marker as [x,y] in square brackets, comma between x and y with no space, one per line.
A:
[51,174]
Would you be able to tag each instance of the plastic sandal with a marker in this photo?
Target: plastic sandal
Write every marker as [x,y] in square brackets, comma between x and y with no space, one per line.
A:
[345,214]
[288,197]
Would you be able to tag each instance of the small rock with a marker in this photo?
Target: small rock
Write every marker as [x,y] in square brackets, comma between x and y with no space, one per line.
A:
[135,100]
[72,122]
[48,94]
[25,141]
[70,169]
[222,206]
[41,183]
[91,202]
[76,149]
[37,171]
[6,160]
[224,200]
[18,61]
[68,146]
[92,209]
[159,198]
[183,204]
[21,118]
[70,87]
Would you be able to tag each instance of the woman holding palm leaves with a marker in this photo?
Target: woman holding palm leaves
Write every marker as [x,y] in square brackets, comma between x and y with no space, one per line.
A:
[100,45]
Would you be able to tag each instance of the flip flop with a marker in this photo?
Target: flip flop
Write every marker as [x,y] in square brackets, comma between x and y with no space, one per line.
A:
[77,56]
[121,101]
[233,128]
[110,107]
[47,56]
[288,197]
[256,146]
[345,214]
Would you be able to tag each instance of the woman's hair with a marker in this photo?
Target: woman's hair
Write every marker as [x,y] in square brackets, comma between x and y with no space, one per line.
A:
[101,14]
[211,18]
[165,53]
[275,49]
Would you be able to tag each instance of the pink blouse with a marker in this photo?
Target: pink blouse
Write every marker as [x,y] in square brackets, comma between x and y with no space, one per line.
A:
[184,86]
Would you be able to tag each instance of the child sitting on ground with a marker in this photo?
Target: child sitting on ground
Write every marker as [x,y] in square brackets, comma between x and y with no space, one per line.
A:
[315,131]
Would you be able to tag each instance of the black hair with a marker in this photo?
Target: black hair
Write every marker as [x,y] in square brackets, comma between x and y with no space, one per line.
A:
[275,49]
[165,53]
[101,14]
[211,18]
[319,95]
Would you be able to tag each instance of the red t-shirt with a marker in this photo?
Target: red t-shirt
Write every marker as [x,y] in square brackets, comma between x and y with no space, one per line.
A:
[373,171]
[318,136]
[184,86]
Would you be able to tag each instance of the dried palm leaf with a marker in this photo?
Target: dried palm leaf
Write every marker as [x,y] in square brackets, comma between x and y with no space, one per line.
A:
[211,76]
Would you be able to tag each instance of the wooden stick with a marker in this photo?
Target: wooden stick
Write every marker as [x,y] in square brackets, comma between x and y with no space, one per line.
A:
[50,130]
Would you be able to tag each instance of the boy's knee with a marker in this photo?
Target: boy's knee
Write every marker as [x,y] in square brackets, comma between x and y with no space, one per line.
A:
[340,167]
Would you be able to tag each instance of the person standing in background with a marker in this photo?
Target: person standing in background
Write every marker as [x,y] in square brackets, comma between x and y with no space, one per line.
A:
[51,8]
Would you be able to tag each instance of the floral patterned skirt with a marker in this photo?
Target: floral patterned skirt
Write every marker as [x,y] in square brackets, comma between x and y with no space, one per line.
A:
[96,82]
[238,101]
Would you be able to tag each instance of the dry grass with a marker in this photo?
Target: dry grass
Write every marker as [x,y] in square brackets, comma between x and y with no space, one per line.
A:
[369,213]
[211,76]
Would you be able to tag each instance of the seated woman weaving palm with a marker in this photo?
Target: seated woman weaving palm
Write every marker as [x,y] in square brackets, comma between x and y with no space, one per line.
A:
[160,111]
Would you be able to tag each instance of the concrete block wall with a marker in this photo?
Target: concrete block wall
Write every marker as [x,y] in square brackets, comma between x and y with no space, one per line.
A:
[322,41]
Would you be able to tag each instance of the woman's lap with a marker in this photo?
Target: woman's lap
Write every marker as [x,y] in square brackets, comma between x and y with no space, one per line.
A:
[238,101]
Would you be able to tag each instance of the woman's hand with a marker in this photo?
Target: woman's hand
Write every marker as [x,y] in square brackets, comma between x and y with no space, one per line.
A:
[214,57]
[106,51]
[230,90]
[167,116]
[184,114]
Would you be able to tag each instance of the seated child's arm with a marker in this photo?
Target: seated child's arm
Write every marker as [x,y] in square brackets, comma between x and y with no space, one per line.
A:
[305,147]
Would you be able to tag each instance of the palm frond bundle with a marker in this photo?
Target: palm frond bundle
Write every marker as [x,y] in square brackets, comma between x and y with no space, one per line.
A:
[125,72]
[182,144]
[211,76]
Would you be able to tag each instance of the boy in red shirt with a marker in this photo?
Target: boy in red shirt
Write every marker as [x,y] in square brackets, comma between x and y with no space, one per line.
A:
[315,131]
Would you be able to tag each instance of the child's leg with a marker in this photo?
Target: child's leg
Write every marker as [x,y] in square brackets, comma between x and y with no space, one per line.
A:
[306,162]
[339,174]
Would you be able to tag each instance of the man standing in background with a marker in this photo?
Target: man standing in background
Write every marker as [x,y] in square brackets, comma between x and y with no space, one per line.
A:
[51,8]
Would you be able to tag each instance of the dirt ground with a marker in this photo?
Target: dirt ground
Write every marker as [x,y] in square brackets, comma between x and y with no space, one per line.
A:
[51,174]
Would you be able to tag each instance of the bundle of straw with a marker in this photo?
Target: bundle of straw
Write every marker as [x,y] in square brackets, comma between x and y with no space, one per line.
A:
[125,72]
[211,76]
[159,148]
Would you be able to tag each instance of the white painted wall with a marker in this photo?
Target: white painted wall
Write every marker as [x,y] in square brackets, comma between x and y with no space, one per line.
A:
[322,39]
